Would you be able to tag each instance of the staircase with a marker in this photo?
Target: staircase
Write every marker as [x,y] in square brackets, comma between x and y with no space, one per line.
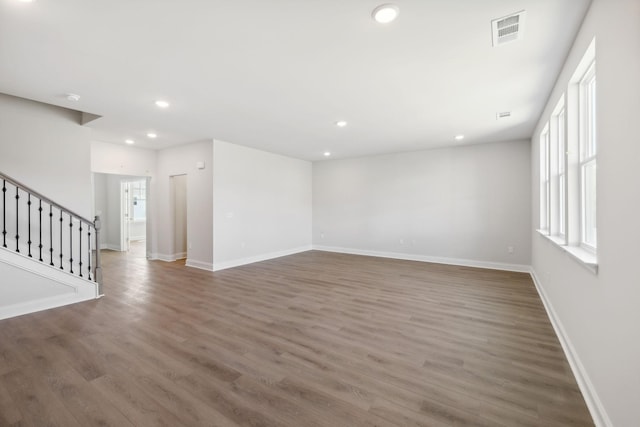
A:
[49,255]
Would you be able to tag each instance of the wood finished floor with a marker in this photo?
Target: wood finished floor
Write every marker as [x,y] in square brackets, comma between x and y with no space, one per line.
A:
[314,339]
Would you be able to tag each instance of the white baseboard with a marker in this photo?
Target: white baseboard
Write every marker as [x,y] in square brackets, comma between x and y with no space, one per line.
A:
[163,257]
[596,408]
[110,247]
[217,266]
[168,257]
[189,263]
[43,304]
[199,264]
[425,258]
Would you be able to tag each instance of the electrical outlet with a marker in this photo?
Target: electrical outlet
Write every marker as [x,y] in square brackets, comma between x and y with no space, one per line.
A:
[510,249]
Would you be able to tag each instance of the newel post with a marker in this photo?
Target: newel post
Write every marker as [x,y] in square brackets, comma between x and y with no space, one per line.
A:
[98,268]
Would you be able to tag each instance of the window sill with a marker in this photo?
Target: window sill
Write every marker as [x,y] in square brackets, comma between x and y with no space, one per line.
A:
[584,257]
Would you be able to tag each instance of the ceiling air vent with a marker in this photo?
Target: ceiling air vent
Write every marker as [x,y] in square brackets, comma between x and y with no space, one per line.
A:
[508,28]
[503,115]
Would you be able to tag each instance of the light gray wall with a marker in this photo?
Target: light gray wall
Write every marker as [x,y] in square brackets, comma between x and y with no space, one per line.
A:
[47,149]
[19,286]
[122,159]
[262,205]
[600,314]
[160,166]
[27,286]
[182,160]
[466,203]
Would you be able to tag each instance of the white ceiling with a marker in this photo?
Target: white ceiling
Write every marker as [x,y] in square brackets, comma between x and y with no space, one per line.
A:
[277,74]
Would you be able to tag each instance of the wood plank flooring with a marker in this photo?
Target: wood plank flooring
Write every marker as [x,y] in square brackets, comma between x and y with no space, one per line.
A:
[314,339]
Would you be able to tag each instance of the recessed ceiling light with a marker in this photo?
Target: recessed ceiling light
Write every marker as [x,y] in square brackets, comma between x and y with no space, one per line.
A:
[129,141]
[341,123]
[162,104]
[152,135]
[72,97]
[385,13]
[327,153]
[459,137]
[26,1]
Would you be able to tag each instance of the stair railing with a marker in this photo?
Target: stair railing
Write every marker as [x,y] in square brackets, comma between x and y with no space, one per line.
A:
[41,229]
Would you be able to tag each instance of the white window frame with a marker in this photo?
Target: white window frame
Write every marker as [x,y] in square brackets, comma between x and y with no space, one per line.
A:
[588,157]
[545,181]
[561,146]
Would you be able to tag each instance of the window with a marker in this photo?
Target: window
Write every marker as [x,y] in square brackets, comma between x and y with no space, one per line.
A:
[545,184]
[139,200]
[553,176]
[561,146]
[588,150]
[568,166]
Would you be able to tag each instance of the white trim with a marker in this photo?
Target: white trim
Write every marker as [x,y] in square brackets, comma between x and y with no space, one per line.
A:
[110,247]
[168,257]
[545,178]
[80,289]
[199,264]
[54,274]
[43,304]
[596,408]
[163,257]
[585,258]
[217,266]
[425,258]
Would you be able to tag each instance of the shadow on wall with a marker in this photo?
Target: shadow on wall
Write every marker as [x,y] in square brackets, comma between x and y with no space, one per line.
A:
[178,188]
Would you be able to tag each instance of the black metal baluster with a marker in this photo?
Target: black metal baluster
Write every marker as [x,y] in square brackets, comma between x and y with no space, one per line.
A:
[80,249]
[29,241]
[61,268]
[51,234]
[17,220]
[89,246]
[4,213]
[40,228]
[70,244]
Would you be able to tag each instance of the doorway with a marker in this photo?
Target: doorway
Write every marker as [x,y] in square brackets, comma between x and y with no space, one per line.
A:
[121,201]
[133,211]
[179,202]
